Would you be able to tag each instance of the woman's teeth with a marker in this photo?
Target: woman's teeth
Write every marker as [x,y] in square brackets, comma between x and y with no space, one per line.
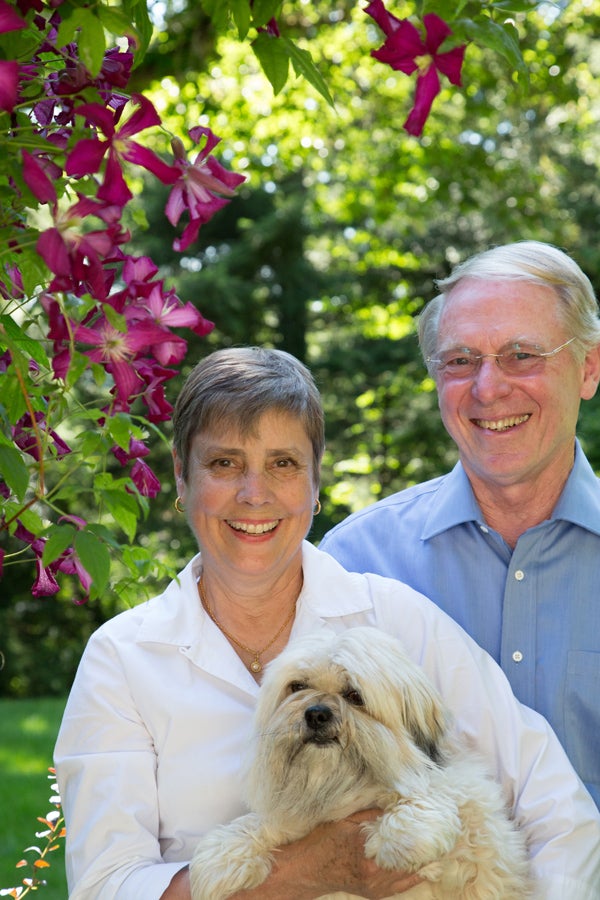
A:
[249,528]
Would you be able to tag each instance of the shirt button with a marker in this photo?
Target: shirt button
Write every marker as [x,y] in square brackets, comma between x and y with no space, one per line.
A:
[519,575]
[517,656]
[484,529]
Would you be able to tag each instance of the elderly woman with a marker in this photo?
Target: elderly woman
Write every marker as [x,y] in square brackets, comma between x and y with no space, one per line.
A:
[149,750]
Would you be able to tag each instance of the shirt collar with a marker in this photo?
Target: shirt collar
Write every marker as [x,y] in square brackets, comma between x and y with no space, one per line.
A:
[579,502]
[176,616]
[455,501]
[454,504]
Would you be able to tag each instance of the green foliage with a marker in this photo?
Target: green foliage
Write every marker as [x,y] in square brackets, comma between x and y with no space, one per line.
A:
[29,729]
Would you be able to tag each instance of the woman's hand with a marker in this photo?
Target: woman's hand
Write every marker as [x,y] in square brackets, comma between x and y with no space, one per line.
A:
[331,858]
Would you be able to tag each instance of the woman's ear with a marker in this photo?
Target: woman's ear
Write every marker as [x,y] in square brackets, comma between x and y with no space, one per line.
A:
[177,469]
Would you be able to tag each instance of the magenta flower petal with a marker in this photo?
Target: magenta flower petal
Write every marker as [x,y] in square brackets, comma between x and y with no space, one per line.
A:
[36,179]
[142,156]
[127,381]
[386,21]
[428,87]
[114,189]
[450,64]
[45,584]
[53,251]
[436,32]
[143,117]
[9,84]
[85,157]
[401,48]
[9,20]
[144,479]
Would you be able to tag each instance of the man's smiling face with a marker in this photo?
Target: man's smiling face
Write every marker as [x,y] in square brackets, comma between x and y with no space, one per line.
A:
[511,429]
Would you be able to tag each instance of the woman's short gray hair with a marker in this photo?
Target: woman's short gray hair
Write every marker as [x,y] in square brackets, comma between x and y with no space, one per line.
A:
[530,261]
[235,387]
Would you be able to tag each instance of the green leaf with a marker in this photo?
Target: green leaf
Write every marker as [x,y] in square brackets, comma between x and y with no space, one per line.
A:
[115,20]
[264,10]
[273,58]
[86,29]
[303,65]
[14,471]
[61,537]
[241,16]
[119,428]
[91,42]
[18,340]
[123,508]
[502,39]
[95,559]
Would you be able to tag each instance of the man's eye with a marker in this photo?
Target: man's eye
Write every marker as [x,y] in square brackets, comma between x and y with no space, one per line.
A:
[457,362]
[521,355]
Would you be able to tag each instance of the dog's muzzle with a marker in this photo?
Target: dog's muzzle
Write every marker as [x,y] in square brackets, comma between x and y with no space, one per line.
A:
[321,725]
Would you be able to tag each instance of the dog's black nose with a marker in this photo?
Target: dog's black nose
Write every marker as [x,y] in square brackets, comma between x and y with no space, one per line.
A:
[318,716]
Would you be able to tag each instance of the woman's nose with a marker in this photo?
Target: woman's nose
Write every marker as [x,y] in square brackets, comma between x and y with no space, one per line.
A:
[253,488]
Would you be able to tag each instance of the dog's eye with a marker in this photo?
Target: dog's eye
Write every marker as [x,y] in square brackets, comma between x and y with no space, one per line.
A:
[354,697]
[295,686]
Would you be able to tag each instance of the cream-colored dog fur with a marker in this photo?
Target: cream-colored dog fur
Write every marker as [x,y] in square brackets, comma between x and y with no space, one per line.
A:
[346,722]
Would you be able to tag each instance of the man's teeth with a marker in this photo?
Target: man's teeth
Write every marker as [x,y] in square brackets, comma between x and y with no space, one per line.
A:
[501,424]
[249,528]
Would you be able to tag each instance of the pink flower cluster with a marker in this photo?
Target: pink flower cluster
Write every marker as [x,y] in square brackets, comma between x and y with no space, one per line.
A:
[127,326]
[405,50]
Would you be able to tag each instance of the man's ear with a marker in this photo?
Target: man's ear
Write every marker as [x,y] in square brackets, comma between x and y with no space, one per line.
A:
[591,374]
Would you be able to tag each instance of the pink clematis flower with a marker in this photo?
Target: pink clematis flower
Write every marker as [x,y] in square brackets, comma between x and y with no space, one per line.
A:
[165,310]
[116,351]
[77,256]
[202,187]
[24,436]
[153,395]
[144,479]
[406,51]
[87,155]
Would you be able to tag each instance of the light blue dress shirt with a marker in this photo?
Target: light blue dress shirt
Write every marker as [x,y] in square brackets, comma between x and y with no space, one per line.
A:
[535,609]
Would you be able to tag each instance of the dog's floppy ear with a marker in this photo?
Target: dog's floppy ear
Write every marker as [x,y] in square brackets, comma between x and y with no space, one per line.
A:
[424,716]
[425,719]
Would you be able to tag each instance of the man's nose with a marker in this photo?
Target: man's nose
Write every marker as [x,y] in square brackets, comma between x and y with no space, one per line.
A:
[490,381]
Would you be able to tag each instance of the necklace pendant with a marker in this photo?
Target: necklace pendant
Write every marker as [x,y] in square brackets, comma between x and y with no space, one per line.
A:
[256,666]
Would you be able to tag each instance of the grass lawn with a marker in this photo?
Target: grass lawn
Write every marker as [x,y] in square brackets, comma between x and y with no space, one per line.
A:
[27,736]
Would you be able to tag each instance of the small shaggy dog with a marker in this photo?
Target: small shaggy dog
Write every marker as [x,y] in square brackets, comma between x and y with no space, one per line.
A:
[345,722]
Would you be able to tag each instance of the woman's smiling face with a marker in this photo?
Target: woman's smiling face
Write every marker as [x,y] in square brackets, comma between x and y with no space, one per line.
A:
[511,429]
[249,498]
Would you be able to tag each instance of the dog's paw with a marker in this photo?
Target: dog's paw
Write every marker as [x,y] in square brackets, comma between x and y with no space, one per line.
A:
[413,833]
[230,858]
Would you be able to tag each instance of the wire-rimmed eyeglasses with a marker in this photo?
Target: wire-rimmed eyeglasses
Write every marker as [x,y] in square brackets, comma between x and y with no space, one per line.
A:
[518,358]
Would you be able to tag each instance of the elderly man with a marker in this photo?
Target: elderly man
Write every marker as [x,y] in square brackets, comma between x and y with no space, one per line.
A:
[508,542]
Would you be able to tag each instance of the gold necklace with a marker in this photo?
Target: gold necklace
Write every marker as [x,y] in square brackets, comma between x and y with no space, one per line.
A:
[255,666]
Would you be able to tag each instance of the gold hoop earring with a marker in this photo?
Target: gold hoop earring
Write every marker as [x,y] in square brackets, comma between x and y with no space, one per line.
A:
[317,508]
[179,505]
